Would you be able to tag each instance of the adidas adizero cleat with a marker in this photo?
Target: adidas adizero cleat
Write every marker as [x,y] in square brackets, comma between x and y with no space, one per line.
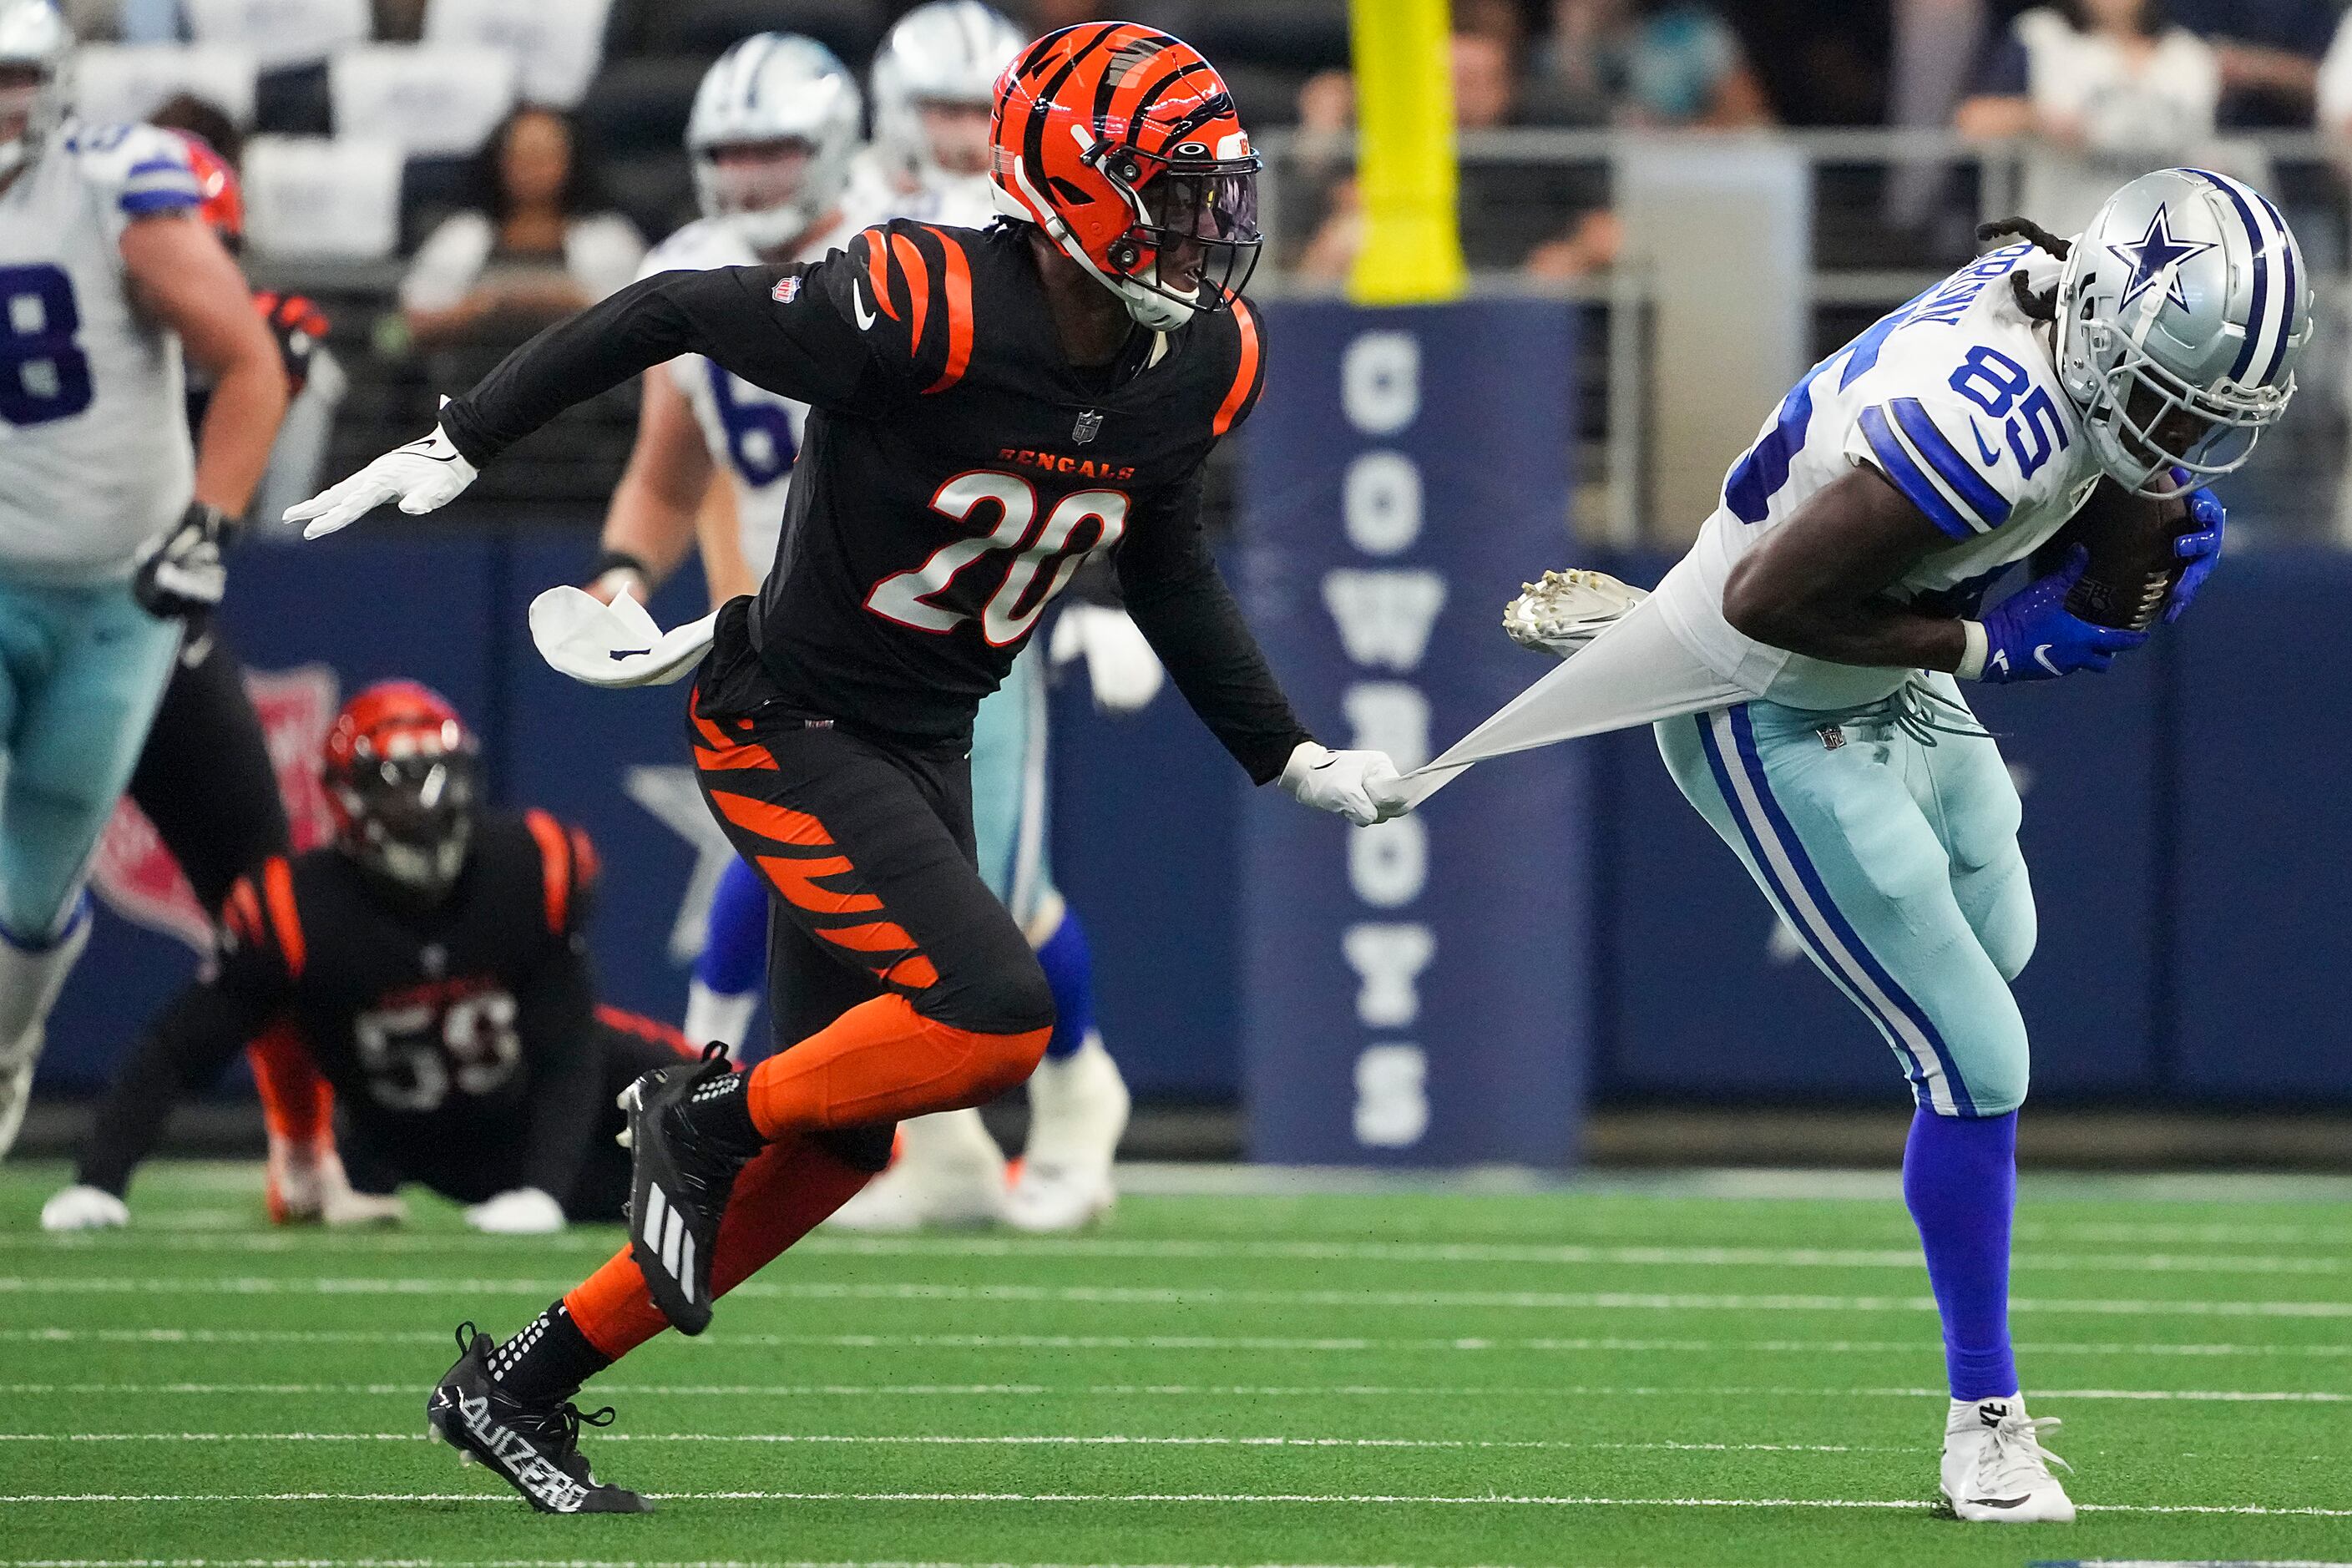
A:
[534,1449]
[685,1148]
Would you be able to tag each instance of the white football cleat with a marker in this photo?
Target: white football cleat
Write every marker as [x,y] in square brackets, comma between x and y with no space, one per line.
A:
[80,1208]
[1996,1470]
[949,1171]
[295,1187]
[1566,610]
[1078,1110]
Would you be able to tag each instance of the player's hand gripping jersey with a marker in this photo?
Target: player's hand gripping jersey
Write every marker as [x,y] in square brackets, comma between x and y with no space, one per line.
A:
[1955,399]
[80,366]
[955,474]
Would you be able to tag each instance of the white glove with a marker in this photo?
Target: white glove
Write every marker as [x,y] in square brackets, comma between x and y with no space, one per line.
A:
[524,1211]
[616,644]
[423,477]
[84,1208]
[1362,786]
[1120,666]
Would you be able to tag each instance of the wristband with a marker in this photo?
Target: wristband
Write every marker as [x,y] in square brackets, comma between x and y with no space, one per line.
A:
[1972,658]
[620,560]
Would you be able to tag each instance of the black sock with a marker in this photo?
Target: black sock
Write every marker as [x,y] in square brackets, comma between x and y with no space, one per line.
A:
[721,1112]
[547,1360]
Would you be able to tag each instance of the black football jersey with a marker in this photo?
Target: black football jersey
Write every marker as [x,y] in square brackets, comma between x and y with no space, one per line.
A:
[956,472]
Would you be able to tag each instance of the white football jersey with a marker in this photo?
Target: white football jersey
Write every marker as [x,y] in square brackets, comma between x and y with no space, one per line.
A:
[956,201]
[754,435]
[1954,398]
[95,459]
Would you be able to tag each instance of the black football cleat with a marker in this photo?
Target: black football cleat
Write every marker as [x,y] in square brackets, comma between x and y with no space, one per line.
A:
[534,1449]
[681,1174]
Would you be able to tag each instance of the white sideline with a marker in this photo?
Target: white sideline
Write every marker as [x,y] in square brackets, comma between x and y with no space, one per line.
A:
[1359,1500]
[1444,1253]
[1212,1295]
[59,1334]
[1243,1390]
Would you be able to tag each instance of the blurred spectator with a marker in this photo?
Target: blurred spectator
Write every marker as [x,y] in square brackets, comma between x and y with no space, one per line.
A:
[1509,210]
[1649,63]
[537,248]
[2107,90]
[2269,50]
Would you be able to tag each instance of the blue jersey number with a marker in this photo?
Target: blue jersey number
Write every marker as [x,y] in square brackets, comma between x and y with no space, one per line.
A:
[43,375]
[758,433]
[2004,389]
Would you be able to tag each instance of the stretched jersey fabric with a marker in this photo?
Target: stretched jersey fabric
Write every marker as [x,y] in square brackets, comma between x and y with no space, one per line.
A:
[1955,399]
[94,457]
[956,472]
[462,1027]
[754,435]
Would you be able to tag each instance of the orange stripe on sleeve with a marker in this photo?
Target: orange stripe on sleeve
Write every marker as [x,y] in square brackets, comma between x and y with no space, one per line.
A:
[1244,376]
[555,865]
[878,272]
[796,880]
[244,909]
[278,887]
[957,287]
[919,288]
[781,823]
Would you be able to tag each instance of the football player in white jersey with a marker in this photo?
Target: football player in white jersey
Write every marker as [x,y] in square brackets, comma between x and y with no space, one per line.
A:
[1804,664]
[111,520]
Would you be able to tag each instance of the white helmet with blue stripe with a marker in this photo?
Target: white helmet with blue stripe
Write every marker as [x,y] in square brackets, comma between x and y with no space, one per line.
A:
[34,40]
[947,52]
[2181,312]
[774,87]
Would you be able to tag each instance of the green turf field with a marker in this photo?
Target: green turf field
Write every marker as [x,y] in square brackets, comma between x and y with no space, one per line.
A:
[1659,1373]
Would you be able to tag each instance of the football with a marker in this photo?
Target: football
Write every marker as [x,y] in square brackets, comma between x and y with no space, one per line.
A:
[2132,565]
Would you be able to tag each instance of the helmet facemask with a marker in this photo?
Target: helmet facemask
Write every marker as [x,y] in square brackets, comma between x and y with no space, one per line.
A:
[1192,241]
[763,190]
[407,814]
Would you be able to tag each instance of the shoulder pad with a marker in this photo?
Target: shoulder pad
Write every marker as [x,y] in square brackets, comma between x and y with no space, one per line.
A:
[910,294]
[261,915]
[567,868]
[1246,353]
[138,169]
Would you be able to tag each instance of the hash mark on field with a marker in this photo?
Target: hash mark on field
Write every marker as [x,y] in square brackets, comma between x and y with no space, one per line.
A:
[1357,1500]
[1178,1390]
[62,1335]
[1212,1295]
[1446,1254]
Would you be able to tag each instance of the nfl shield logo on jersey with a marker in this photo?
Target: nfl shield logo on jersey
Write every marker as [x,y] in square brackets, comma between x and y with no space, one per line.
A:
[1089,427]
[786,291]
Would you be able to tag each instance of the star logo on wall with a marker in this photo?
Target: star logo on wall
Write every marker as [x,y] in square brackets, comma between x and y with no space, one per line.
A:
[2157,257]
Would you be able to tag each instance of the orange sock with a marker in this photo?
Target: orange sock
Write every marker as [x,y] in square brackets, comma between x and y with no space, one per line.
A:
[883,1062]
[787,1189]
[297,1104]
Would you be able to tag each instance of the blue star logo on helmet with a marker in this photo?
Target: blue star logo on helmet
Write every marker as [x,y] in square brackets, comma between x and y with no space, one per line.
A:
[2157,257]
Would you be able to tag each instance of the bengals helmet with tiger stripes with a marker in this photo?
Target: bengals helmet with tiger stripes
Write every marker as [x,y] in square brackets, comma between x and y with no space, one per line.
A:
[400,773]
[1122,143]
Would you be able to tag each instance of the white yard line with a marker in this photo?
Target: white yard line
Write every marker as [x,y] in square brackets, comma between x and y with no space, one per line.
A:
[1193,1390]
[1178,1296]
[59,1334]
[1349,1499]
[1025,1441]
[1176,1249]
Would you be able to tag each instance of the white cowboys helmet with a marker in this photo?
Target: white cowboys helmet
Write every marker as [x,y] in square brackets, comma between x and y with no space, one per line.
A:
[774,87]
[950,51]
[32,36]
[2181,311]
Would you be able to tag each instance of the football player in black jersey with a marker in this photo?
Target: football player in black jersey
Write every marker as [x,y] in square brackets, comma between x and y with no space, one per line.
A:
[990,408]
[431,963]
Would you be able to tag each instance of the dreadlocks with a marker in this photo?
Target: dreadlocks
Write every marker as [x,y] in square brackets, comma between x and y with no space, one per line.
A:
[2042,307]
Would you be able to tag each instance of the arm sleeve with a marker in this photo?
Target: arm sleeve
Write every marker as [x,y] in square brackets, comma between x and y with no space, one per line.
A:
[555,1017]
[180,1054]
[1188,614]
[758,322]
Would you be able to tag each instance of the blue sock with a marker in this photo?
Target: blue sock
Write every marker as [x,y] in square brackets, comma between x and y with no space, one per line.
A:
[1069,966]
[1959,1178]
[735,943]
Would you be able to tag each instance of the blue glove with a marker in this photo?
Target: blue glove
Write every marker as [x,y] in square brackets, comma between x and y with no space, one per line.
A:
[2201,548]
[2029,636]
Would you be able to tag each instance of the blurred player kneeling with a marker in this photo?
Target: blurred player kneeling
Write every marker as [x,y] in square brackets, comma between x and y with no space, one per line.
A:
[431,962]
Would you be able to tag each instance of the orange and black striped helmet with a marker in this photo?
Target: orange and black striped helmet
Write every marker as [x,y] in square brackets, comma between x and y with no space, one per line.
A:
[1123,145]
[400,775]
